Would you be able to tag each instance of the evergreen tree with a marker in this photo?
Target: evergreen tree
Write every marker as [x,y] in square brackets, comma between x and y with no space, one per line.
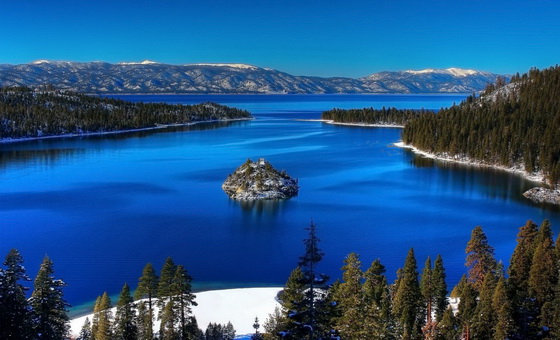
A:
[480,257]
[147,287]
[291,299]
[440,288]
[448,327]
[467,307]
[49,306]
[484,317]
[274,324]
[85,332]
[555,317]
[165,289]
[15,314]
[312,315]
[183,297]
[428,295]
[407,303]
[377,318]
[95,318]
[168,319]
[504,324]
[350,299]
[125,317]
[519,270]
[543,275]
[103,319]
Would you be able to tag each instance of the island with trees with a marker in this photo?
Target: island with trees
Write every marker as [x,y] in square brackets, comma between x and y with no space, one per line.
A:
[259,181]
[34,113]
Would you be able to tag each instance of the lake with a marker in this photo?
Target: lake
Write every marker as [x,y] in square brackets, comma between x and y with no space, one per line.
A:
[102,207]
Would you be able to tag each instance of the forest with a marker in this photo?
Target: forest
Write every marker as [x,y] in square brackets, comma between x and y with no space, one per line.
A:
[31,113]
[512,125]
[384,116]
[521,301]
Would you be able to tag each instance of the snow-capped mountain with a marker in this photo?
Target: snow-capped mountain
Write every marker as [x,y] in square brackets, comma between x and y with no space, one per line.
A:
[152,77]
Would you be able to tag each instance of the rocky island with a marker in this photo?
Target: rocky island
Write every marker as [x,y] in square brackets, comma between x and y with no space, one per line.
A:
[259,181]
[543,195]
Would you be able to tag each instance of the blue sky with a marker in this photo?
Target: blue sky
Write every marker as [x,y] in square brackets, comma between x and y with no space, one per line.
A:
[303,37]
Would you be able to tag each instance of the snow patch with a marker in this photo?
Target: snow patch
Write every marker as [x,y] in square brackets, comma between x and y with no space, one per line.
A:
[240,66]
[145,62]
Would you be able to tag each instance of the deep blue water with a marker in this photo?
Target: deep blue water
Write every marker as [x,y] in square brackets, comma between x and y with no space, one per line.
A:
[102,207]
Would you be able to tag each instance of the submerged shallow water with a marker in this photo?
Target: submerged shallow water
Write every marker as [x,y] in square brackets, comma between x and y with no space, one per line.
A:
[102,207]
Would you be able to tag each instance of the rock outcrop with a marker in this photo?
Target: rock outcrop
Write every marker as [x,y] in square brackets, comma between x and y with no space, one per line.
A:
[259,181]
[543,195]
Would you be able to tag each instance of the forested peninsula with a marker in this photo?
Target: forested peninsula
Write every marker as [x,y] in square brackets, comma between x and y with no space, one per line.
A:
[513,126]
[33,113]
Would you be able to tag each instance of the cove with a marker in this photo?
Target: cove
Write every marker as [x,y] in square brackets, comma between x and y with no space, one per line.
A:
[103,206]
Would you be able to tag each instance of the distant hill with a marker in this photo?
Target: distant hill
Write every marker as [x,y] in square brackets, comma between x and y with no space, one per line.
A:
[153,77]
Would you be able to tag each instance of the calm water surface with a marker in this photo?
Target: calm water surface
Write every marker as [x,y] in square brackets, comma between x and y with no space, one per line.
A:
[102,207]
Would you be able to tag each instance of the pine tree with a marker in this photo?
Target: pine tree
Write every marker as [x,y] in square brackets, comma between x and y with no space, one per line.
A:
[350,299]
[183,297]
[49,306]
[428,294]
[484,317]
[519,270]
[543,275]
[147,287]
[501,305]
[377,319]
[448,327]
[480,257]
[274,324]
[407,303]
[125,317]
[467,307]
[95,318]
[103,318]
[314,315]
[85,332]
[168,318]
[164,289]
[291,299]
[440,288]
[15,314]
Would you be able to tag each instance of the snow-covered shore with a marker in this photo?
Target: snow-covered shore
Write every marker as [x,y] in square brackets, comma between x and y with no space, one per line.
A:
[87,134]
[238,306]
[535,177]
[328,121]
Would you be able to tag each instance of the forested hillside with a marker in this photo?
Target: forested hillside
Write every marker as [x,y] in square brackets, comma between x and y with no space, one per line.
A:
[384,116]
[513,125]
[27,113]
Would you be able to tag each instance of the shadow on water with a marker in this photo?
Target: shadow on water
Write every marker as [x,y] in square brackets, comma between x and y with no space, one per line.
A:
[488,182]
[47,152]
[258,208]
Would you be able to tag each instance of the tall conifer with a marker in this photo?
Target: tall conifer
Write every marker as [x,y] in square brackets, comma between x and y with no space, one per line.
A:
[147,288]
[440,288]
[501,304]
[484,317]
[15,314]
[407,303]
[480,257]
[350,298]
[49,306]
[125,327]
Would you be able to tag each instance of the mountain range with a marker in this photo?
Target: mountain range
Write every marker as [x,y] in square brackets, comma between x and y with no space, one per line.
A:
[153,77]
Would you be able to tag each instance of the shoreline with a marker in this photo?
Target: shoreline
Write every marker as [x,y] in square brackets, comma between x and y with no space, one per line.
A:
[535,177]
[103,133]
[239,306]
[329,121]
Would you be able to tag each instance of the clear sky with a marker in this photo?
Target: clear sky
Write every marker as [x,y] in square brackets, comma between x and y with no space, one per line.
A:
[303,37]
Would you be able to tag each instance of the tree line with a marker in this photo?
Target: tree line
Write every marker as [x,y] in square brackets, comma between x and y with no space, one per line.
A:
[384,116]
[512,125]
[522,302]
[28,113]
[489,302]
